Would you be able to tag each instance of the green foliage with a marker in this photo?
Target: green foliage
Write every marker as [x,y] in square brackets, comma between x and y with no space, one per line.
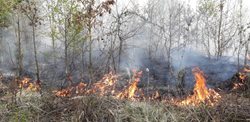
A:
[5,10]
[20,118]
[71,12]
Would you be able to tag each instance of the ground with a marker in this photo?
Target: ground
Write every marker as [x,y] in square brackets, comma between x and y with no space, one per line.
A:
[233,106]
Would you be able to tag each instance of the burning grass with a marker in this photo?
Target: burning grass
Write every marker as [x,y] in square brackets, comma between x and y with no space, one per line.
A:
[201,93]
[105,87]
[27,85]
[243,83]
[104,101]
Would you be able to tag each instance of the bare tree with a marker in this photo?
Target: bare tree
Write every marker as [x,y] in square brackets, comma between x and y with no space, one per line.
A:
[30,10]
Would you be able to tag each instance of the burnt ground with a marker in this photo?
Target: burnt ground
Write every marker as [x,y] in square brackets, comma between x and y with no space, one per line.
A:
[234,104]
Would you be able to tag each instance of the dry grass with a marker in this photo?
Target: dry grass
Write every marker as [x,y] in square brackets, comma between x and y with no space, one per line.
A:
[45,108]
[234,106]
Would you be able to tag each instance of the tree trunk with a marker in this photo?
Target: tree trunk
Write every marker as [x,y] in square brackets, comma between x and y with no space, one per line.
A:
[246,51]
[219,48]
[35,54]
[53,45]
[240,41]
[83,63]
[67,78]
[170,43]
[90,52]
[120,49]
[19,49]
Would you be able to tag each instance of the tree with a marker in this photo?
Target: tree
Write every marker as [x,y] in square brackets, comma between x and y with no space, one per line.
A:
[52,8]
[11,9]
[207,12]
[167,21]
[5,10]
[219,26]
[91,12]
[64,10]
[30,10]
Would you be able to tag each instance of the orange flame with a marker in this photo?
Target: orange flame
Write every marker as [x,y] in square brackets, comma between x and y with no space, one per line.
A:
[102,87]
[129,93]
[71,90]
[242,76]
[105,86]
[28,85]
[201,93]
[241,83]
[155,96]
[237,86]
[64,92]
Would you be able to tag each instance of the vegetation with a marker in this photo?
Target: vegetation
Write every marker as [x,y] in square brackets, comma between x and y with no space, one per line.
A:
[91,108]
[118,60]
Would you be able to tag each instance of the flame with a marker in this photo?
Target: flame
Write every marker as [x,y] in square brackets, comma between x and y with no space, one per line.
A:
[201,93]
[242,76]
[241,83]
[69,91]
[24,83]
[155,96]
[105,86]
[129,93]
[27,85]
[80,88]
[101,88]
[64,92]
[237,86]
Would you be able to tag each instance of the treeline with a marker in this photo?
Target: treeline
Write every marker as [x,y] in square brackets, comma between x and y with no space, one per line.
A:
[87,38]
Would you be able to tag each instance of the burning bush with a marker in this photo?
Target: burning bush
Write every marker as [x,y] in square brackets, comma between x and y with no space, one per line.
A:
[129,92]
[201,93]
[27,85]
[243,82]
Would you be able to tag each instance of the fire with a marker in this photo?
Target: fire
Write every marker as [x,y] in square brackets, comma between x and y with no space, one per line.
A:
[64,92]
[101,88]
[28,85]
[201,93]
[237,86]
[80,88]
[105,86]
[129,93]
[242,76]
[241,84]
[155,96]
[24,83]
[71,90]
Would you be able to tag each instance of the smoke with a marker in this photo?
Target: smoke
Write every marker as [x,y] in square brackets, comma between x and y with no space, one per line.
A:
[216,70]
[135,53]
